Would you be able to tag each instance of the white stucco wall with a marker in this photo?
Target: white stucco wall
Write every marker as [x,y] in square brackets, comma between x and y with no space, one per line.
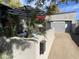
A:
[49,41]
[62,17]
[33,52]
[28,53]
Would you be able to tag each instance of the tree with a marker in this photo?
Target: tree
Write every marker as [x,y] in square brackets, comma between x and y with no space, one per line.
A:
[14,3]
[11,3]
[0,1]
[52,8]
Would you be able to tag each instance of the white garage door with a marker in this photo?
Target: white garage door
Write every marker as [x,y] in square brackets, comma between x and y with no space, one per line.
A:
[58,26]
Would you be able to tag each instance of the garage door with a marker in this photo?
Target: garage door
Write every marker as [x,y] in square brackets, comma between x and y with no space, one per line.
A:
[58,26]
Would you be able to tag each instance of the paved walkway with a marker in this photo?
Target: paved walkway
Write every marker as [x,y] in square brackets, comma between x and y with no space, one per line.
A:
[64,47]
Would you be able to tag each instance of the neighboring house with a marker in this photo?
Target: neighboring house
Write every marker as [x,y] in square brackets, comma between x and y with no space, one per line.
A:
[62,22]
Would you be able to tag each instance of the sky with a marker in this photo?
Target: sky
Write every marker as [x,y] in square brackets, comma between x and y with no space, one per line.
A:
[71,6]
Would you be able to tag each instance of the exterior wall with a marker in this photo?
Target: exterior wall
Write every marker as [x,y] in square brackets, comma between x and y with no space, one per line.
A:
[62,17]
[50,36]
[33,51]
[28,53]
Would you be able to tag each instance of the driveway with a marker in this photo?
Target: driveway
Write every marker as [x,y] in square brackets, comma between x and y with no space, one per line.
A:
[64,47]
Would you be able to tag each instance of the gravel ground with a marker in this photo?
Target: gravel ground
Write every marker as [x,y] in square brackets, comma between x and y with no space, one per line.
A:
[64,47]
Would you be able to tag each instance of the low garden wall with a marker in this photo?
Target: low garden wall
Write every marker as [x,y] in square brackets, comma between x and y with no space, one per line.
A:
[31,49]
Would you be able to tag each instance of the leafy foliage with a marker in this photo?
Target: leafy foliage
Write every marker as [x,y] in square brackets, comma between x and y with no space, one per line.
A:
[12,3]
[52,9]
[0,1]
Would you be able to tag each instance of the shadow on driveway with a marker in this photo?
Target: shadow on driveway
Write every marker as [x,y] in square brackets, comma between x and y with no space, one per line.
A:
[75,38]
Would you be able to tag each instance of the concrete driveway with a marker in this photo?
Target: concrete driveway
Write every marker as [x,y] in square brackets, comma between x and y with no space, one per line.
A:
[64,47]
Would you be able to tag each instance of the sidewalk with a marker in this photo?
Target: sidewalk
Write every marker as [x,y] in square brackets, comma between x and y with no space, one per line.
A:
[63,47]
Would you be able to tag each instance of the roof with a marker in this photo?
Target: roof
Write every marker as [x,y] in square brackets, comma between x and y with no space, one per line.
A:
[64,12]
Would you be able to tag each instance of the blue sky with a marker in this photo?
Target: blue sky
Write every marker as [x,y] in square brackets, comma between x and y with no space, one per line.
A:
[71,6]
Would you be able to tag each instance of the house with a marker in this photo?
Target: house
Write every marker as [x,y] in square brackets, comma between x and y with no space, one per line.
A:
[62,22]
